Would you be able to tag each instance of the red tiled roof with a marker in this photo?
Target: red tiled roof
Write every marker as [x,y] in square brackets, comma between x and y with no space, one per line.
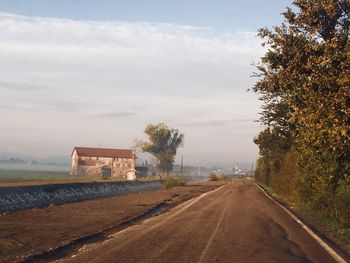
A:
[104,152]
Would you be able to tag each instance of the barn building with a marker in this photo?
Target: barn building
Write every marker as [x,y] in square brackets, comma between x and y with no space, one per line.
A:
[103,162]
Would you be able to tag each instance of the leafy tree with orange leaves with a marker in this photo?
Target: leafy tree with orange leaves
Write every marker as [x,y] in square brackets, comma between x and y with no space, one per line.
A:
[305,87]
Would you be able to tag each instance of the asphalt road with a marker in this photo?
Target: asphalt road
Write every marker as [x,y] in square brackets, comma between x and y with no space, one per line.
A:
[236,223]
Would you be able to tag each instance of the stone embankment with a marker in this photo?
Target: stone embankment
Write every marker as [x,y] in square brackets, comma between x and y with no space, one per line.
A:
[38,196]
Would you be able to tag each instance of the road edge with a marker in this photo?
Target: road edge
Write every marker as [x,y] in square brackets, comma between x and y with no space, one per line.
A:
[338,258]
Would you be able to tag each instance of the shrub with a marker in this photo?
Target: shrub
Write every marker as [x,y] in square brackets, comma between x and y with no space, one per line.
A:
[172,181]
[215,177]
[263,170]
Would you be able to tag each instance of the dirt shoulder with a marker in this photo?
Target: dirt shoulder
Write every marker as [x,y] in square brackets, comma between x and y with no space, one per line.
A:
[35,231]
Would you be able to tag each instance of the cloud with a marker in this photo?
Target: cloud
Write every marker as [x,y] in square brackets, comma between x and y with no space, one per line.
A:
[116,114]
[18,96]
[220,122]
[60,73]
[133,57]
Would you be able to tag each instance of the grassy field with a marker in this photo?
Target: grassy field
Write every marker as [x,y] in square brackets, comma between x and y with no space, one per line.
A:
[9,177]
[30,177]
[22,177]
[19,175]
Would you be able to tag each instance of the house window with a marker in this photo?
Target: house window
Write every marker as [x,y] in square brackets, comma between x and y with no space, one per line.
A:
[81,162]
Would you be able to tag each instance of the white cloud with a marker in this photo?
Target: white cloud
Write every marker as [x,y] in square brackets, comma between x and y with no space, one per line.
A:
[75,76]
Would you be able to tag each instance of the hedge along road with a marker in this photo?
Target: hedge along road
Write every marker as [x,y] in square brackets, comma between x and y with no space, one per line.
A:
[235,223]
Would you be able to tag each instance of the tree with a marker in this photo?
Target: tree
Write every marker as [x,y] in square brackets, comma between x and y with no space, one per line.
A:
[305,86]
[163,144]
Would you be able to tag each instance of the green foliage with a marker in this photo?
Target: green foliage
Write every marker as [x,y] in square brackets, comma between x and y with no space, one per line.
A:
[305,87]
[172,181]
[331,223]
[273,144]
[263,170]
[341,207]
[163,144]
[286,181]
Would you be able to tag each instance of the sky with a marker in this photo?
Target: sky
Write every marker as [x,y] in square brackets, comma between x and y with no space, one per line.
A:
[95,73]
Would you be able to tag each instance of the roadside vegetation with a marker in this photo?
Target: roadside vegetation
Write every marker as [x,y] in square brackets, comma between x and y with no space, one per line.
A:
[172,181]
[216,177]
[304,84]
[337,229]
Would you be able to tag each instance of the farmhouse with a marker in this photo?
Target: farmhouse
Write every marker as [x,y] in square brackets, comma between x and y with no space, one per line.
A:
[103,162]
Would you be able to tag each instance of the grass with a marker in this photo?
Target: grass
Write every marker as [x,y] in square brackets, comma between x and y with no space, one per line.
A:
[281,199]
[30,177]
[337,229]
[172,181]
[19,175]
[23,177]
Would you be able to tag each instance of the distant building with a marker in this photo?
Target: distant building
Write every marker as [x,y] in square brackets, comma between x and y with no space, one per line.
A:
[241,172]
[237,171]
[103,162]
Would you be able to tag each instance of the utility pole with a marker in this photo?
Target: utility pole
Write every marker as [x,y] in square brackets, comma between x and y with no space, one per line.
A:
[182,163]
[252,168]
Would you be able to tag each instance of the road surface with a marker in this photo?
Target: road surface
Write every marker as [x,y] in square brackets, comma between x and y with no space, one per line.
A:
[236,223]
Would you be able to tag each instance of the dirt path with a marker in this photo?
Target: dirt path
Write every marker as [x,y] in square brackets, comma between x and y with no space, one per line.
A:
[236,223]
[35,231]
